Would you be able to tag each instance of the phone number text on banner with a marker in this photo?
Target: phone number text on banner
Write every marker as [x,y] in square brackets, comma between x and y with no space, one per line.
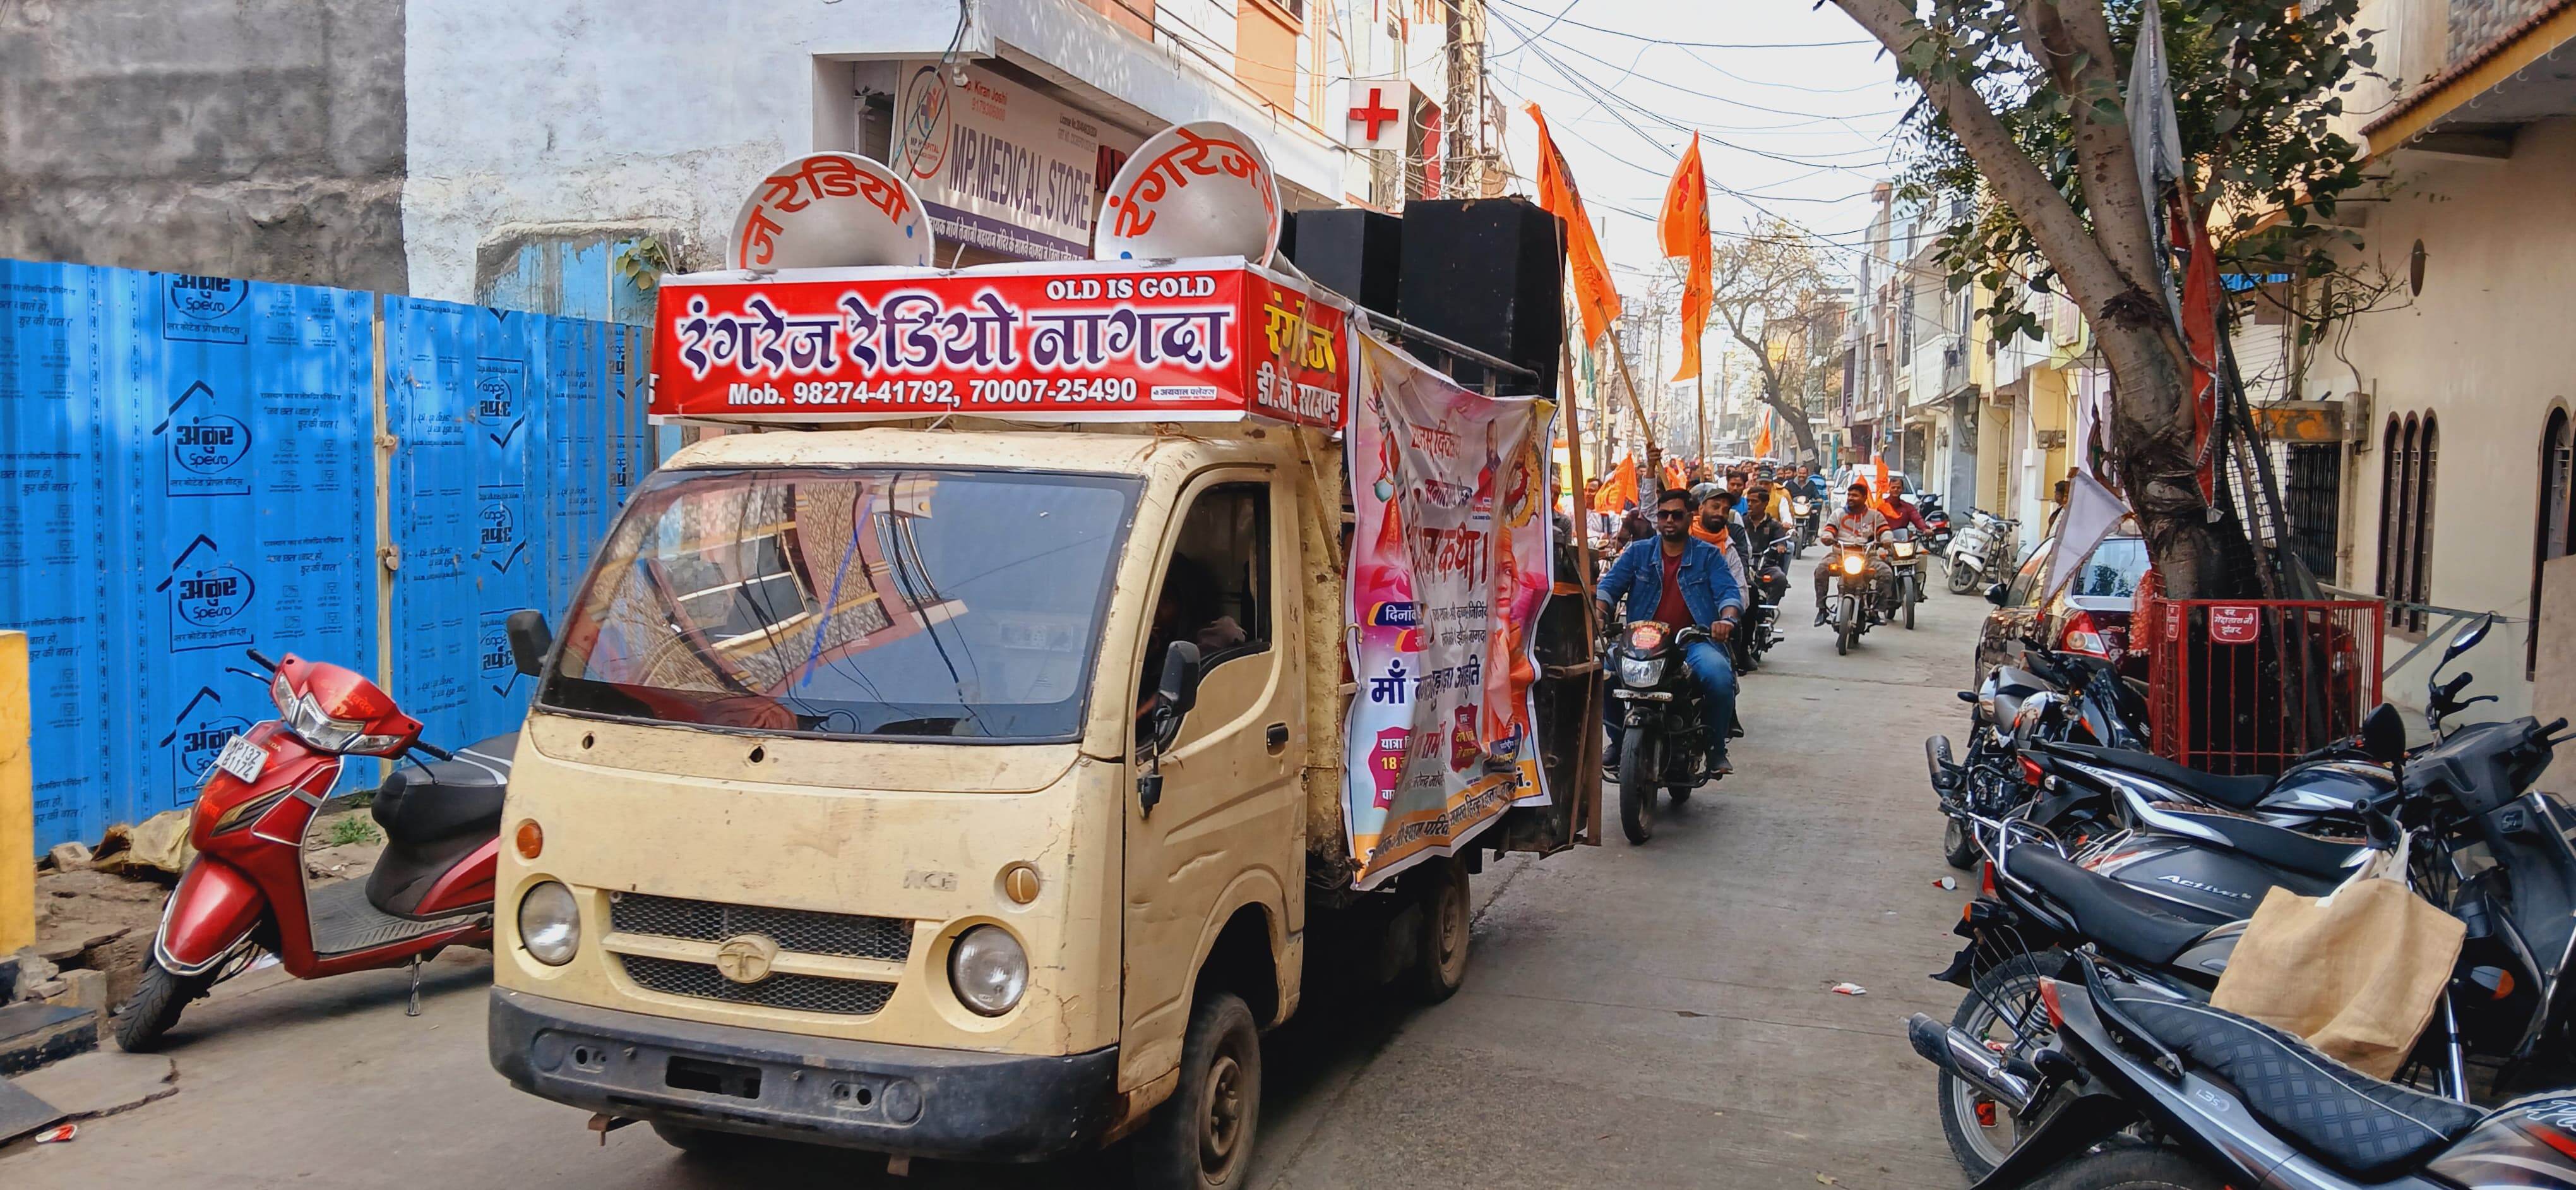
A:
[1089,342]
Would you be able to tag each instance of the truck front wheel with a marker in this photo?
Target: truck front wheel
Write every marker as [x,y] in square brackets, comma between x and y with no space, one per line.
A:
[1201,1137]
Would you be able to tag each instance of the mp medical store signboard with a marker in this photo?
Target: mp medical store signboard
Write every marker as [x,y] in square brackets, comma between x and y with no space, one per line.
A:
[1000,166]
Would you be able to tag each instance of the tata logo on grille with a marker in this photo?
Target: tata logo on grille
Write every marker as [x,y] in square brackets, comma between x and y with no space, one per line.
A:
[205,299]
[746,958]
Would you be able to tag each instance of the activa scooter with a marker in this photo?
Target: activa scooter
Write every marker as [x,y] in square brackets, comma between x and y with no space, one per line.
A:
[244,894]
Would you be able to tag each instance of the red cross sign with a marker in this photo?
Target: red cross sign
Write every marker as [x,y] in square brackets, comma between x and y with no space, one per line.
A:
[1376,114]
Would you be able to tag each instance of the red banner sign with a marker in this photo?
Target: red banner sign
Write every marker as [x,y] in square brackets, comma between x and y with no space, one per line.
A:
[2234,624]
[1089,342]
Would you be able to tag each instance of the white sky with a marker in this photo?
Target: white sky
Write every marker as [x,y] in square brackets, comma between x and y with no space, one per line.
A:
[1795,106]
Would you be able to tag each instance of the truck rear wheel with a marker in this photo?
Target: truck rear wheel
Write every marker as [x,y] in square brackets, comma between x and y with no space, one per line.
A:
[1201,1137]
[1439,963]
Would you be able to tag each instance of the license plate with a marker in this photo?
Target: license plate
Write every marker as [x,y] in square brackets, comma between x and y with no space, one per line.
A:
[242,758]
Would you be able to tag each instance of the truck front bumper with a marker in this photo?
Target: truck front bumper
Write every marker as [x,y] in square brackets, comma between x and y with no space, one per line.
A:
[913,1100]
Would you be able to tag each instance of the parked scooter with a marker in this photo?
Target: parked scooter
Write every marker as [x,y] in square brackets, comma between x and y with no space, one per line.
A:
[2137,1085]
[1982,548]
[245,894]
[1664,742]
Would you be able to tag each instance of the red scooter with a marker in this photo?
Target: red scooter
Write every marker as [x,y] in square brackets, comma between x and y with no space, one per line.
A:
[244,894]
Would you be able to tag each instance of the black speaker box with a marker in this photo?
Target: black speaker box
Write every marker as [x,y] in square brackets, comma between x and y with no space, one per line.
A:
[1350,251]
[1488,273]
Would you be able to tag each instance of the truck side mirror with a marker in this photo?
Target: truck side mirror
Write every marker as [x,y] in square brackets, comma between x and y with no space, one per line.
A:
[530,640]
[1176,693]
[1995,593]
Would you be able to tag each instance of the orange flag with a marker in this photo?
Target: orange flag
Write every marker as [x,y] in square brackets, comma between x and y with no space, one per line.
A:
[1683,228]
[1619,489]
[1762,434]
[1594,297]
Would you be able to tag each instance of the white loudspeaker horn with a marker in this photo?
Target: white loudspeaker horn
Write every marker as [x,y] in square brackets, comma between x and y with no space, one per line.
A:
[829,210]
[1197,189]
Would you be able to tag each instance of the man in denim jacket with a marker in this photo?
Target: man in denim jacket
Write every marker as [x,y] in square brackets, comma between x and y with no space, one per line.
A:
[1684,582]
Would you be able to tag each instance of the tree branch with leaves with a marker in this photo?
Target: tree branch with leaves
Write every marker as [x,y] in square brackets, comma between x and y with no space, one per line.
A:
[2023,114]
[1775,301]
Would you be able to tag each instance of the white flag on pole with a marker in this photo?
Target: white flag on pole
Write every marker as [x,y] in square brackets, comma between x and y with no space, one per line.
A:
[2092,511]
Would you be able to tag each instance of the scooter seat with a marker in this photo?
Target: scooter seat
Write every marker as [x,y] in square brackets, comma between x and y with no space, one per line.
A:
[445,798]
[2367,1128]
[2235,793]
[2119,918]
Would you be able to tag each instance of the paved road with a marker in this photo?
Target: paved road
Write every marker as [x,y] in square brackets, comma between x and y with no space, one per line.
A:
[1651,1016]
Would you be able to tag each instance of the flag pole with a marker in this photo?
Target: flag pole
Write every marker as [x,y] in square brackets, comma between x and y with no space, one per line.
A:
[1645,425]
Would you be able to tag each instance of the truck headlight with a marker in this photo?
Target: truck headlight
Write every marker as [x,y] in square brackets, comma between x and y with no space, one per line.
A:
[550,923]
[1638,673]
[988,969]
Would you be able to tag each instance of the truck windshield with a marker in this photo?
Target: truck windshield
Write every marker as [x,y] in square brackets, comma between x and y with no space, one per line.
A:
[849,603]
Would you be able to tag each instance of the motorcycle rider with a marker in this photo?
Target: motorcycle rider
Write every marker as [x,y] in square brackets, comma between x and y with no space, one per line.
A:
[1767,541]
[1683,582]
[1857,524]
[1715,523]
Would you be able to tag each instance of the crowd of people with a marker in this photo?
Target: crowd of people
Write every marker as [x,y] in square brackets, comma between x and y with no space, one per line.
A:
[1700,553]
[1698,556]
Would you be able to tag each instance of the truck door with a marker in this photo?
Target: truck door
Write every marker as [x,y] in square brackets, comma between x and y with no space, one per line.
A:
[1228,829]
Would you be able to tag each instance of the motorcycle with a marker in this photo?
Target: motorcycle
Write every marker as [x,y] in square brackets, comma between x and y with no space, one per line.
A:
[2054,697]
[2139,1085]
[1852,595]
[1664,740]
[1761,607]
[2170,899]
[1905,563]
[1982,548]
[1804,514]
[244,894]
[1936,520]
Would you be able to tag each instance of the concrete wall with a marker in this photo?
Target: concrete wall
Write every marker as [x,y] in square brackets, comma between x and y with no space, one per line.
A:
[2482,348]
[245,138]
[656,114]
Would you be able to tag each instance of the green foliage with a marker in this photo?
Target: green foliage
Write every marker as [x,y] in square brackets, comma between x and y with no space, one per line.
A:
[351,828]
[642,263]
[2255,83]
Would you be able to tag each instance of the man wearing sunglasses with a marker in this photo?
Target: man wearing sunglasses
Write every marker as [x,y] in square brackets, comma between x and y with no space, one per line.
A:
[1683,582]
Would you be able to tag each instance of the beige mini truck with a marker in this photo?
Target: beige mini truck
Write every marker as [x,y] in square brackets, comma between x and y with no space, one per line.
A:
[967,788]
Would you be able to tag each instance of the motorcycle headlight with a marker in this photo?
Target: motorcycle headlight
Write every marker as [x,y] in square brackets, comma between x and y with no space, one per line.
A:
[1638,673]
[305,718]
[1905,549]
[1798,507]
[550,923]
[988,969]
[1853,563]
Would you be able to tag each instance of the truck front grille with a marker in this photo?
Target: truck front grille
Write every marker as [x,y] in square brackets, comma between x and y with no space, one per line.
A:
[800,993]
[849,935]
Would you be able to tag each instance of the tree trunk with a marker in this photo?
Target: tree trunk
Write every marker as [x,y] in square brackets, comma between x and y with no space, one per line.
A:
[2151,457]
[1797,419]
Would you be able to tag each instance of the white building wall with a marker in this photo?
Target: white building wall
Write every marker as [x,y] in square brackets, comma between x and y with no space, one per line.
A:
[663,112]
[2481,348]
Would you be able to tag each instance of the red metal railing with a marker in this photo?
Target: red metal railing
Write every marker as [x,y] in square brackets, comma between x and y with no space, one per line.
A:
[2245,686]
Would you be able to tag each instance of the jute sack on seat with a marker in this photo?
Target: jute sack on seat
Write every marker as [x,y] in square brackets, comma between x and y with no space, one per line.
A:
[2357,972]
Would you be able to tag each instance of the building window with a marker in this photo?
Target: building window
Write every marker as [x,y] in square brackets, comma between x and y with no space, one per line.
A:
[2314,500]
[2554,528]
[2407,470]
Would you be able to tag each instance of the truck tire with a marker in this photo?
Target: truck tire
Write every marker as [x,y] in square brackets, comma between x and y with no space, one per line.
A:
[1439,963]
[154,1007]
[1201,1138]
[1636,788]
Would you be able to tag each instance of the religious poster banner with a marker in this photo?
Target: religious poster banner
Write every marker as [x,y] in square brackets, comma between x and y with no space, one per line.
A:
[1191,340]
[1449,568]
